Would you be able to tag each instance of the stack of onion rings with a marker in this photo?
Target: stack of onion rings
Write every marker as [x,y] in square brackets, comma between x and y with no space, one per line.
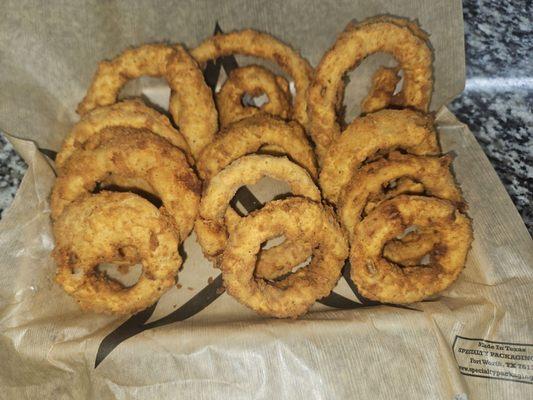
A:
[399,37]
[356,172]
[254,81]
[396,209]
[132,153]
[94,229]
[379,279]
[376,133]
[369,182]
[128,113]
[296,218]
[191,102]
[256,44]
[216,219]
[251,135]
[426,175]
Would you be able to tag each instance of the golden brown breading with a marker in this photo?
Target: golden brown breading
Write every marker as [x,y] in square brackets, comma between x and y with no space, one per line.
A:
[381,92]
[95,229]
[191,101]
[253,80]
[253,134]
[128,113]
[296,218]
[369,182]
[132,153]
[212,226]
[379,279]
[382,131]
[257,44]
[399,37]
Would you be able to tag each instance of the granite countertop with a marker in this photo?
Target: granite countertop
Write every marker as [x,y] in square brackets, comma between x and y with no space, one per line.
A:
[496,104]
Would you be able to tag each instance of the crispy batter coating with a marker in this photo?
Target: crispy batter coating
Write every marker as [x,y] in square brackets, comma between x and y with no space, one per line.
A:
[379,279]
[252,134]
[275,261]
[256,44]
[369,184]
[216,218]
[129,113]
[132,153]
[382,131]
[426,175]
[402,221]
[381,92]
[253,80]
[94,229]
[399,37]
[295,218]
[191,102]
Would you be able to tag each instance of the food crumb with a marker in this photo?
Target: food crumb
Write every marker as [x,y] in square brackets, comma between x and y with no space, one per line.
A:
[178,285]
[190,288]
[221,290]
[210,280]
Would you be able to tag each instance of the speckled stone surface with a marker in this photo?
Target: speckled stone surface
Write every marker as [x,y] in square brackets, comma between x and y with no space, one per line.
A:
[496,104]
[12,169]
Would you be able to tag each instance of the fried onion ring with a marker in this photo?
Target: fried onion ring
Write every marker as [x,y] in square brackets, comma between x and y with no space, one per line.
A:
[191,101]
[379,279]
[216,217]
[250,135]
[256,44]
[369,183]
[132,153]
[415,175]
[275,261]
[93,230]
[383,131]
[130,113]
[397,36]
[254,81]
[296,218]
